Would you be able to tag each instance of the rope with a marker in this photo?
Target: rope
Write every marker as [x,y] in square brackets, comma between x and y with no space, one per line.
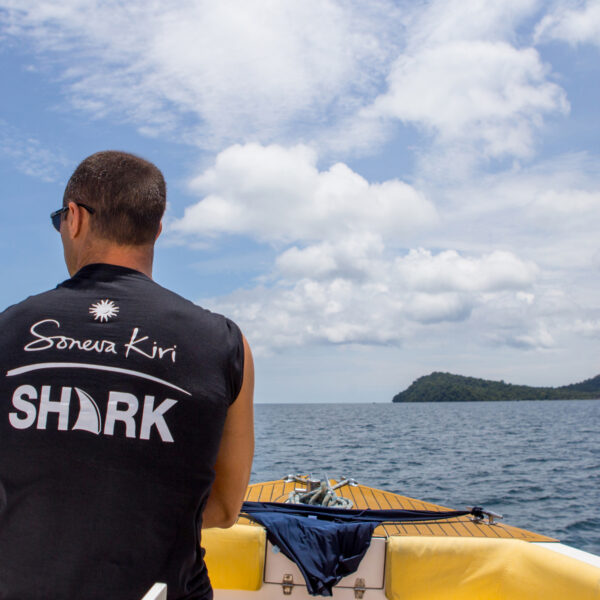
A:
[322,495]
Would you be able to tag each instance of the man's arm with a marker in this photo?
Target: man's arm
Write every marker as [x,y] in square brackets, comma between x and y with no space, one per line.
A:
[234,460]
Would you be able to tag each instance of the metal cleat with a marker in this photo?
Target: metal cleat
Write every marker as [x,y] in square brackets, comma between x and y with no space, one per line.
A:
[479,514]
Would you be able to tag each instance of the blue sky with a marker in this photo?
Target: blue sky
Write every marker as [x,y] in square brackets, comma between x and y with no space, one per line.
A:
[372,190]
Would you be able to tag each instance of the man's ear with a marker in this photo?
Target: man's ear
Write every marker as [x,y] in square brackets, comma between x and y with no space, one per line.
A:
[74,220]
[159,231]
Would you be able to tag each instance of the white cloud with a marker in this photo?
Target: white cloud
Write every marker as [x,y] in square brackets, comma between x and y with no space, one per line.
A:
[28,154]
[537,338]
[448,271]
[212,71]
[575,25]
[212,74]
[443,21]
[587,327]
[341,276]
[352,257]
[440,307]
[490,94]
[526,297]
[278,194]
[353,292]
[462,79]
[547,212]
[311,312]
[571,204]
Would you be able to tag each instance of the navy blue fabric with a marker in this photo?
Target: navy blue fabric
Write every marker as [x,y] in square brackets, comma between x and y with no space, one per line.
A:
[353,515]
[325,551]
[327,543]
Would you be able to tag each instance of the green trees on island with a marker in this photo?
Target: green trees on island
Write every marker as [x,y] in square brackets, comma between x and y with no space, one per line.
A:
[446,387]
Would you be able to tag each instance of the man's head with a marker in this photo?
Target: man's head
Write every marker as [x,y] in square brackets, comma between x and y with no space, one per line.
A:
[127,193]
[127,197]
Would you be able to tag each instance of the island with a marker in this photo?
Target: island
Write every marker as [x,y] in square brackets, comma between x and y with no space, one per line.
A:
[446,387]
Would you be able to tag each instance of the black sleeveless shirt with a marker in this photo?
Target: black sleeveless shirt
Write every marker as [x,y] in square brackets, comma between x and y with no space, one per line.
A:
[113,396]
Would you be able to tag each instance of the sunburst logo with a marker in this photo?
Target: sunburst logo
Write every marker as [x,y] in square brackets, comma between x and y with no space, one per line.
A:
[104,310]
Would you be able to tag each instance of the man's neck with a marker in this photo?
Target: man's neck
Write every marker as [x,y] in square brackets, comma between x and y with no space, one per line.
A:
[138,258]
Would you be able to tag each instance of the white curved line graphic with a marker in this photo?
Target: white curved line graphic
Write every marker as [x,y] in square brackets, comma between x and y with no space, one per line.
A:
[66,365]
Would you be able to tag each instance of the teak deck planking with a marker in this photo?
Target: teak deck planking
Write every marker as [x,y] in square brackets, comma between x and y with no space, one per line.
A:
[367,497]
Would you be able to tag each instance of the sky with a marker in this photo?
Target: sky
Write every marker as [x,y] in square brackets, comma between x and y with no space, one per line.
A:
[373,190]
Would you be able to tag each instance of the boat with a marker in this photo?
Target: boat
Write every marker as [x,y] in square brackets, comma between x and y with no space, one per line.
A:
[450,556]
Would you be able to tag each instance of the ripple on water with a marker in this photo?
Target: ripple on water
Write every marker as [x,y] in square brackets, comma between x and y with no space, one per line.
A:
[589,524]
[509,456]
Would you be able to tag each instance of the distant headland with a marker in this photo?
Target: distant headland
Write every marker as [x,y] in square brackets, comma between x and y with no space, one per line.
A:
[446,387]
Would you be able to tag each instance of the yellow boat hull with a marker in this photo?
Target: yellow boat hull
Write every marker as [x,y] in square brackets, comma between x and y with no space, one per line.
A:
[452,560]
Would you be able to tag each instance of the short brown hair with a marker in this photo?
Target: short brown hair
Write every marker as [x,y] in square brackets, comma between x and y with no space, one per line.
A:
[127,192]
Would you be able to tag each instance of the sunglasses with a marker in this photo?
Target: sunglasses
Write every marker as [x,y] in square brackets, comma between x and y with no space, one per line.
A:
[56,216]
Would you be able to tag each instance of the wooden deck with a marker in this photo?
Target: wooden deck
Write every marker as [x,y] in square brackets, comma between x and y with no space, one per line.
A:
[366,497]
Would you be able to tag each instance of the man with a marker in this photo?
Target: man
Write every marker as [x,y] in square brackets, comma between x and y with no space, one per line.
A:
[126,415]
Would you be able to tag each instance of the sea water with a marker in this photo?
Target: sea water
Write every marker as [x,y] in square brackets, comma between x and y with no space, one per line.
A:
[537,463]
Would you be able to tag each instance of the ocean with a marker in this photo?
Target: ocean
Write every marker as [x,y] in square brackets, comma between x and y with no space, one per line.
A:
[537,463]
